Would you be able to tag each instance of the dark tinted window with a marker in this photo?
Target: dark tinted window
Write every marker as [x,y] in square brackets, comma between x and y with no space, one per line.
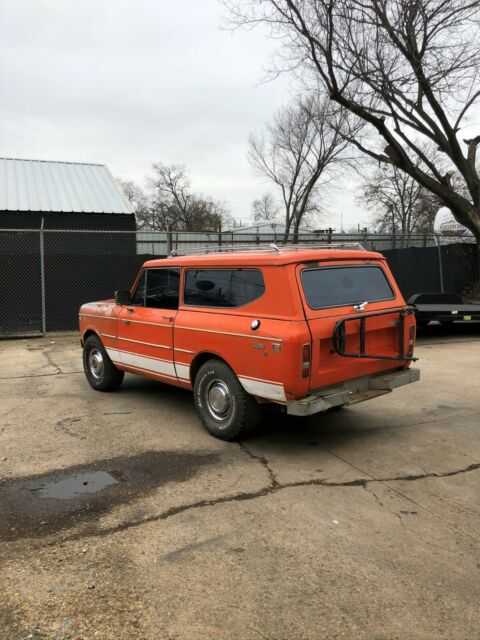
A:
[162,288]
[342,286]
[223,287]
[138,297]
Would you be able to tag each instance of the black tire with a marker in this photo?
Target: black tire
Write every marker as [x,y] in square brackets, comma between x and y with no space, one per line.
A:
[101,373]
[225,409]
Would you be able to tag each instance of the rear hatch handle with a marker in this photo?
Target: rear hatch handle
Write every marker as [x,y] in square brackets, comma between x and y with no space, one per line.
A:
[360,306]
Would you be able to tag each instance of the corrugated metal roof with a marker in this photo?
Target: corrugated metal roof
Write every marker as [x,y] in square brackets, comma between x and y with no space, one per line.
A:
[40,185]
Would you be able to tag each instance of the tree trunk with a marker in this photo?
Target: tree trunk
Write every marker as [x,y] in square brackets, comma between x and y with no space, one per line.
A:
[295,231]
[477,260]
[471,220]
[286,235]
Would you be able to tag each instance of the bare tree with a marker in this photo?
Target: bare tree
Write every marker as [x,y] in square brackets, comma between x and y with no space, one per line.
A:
[170,203]
[265,208]
[139,201]
[174,204]
[407,68]
[302,142]
[399,202]
[171,197]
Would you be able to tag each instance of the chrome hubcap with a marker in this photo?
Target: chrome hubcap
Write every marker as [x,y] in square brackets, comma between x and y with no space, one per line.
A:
[95,363]
[219,400]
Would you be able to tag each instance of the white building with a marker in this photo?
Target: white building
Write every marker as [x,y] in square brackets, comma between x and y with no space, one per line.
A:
[445,224]
[272,228]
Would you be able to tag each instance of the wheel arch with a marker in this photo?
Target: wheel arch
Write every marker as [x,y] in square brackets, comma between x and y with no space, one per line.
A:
[90,332]
[200,359]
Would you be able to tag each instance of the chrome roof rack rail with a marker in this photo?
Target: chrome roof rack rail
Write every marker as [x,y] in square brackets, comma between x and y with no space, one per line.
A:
[264,248]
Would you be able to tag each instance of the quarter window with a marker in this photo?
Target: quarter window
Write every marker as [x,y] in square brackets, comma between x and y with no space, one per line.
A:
[223,287]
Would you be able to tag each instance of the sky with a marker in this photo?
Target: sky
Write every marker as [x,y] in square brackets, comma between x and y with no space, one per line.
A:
[132,82]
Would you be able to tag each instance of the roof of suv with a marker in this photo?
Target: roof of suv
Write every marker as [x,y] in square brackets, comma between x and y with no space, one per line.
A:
[254,258]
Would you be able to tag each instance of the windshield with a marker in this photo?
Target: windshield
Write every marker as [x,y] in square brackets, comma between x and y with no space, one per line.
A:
[345,286]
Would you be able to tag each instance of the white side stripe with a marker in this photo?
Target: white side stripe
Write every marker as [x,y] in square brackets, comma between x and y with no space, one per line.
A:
[144,362]
[263,389]
[183,371]
[270,390]
[149,371]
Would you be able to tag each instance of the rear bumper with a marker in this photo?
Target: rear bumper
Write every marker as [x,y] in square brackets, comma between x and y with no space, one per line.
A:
[352,391]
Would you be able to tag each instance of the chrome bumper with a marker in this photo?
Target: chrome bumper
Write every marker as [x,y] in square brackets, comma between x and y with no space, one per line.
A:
[351,392]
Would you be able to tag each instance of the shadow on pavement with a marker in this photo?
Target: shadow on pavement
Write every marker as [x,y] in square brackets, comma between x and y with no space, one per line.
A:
[435,330]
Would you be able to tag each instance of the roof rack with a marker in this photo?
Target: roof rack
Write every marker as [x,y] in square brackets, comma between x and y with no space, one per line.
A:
[265,248]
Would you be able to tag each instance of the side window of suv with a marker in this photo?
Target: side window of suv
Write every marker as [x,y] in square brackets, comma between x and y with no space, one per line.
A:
[162,288]
[223,287]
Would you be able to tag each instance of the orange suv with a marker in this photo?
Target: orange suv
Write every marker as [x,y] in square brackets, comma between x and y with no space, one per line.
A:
[307,328]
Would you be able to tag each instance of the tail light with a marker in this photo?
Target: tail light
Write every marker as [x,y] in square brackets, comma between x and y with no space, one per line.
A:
[306,360]
[411,340]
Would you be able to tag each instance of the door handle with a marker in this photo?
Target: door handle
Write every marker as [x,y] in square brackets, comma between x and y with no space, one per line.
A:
[130,310]
[169,318]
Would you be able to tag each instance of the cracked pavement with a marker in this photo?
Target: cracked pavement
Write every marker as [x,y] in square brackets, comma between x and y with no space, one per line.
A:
[359,523]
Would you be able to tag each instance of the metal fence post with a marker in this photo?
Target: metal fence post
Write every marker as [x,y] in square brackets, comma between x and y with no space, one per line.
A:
[42,279]
[440,264]
[169,241]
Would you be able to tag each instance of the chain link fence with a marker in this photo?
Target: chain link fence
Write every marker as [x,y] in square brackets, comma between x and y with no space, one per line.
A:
[47,274]
[163,242]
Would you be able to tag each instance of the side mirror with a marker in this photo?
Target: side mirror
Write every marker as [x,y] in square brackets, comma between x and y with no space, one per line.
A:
[122,297]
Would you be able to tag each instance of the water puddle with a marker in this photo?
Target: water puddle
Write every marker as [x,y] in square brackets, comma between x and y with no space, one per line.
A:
[76,484]
[44,504]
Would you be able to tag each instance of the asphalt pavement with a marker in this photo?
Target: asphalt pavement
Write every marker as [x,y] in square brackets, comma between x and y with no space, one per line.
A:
[120,518]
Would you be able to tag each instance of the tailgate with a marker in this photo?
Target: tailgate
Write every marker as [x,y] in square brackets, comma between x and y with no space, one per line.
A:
[358,320]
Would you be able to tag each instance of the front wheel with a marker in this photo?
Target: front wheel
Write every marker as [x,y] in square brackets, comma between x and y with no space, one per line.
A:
[100,371]
[225,409]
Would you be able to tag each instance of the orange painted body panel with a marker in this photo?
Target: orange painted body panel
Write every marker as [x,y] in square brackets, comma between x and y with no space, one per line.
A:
[271,354]
[164,344]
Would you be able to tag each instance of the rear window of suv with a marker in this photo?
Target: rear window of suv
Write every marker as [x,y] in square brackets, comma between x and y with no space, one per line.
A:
[223,287]
[345,286]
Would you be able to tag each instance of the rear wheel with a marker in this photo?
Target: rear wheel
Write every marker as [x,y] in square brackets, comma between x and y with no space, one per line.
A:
[100,371]
[225,409]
